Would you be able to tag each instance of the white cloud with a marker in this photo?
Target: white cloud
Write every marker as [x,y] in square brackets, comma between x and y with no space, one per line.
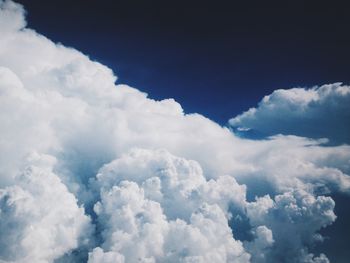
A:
[261,245]
[319,112]
[284,163]
[97,256]
[157,207]
[159,185]
[39,219]
[12,17]
[294,219]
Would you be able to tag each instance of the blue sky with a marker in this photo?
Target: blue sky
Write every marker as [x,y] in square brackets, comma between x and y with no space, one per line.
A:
[218,58]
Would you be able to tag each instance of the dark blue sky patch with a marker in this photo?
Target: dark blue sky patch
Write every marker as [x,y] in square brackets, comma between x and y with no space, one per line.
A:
[217,58]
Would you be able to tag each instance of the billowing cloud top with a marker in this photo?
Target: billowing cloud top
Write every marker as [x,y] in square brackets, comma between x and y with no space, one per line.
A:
[321,112]
[91,171]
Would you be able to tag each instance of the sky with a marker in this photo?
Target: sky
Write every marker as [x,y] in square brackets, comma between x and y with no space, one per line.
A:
[153,132]
[231,52]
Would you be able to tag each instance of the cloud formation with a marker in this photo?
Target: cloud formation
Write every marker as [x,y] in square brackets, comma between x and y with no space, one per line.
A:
[39,219]
[159,208]
[318,112]
[93,171]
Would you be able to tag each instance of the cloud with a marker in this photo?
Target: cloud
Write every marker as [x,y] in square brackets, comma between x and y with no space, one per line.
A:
[304,214]
[39,219]
[262,244]
[97,171]
[285,163]
[318,112]
[157,207]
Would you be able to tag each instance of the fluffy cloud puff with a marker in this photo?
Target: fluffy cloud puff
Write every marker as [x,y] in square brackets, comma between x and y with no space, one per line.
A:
[156,207]
[319,112]
[39,219]
[138,179]
[304,214]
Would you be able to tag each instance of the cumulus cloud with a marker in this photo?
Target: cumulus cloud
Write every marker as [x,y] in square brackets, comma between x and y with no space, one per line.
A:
[318,112]
[304,214]
[96,171]
[39,219]
[285,163]
[160,208]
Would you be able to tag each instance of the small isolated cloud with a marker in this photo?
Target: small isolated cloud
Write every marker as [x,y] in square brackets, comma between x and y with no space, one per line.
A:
[93,171]
[318,112]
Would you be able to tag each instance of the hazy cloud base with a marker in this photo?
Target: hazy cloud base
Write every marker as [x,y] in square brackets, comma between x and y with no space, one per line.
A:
[98,172]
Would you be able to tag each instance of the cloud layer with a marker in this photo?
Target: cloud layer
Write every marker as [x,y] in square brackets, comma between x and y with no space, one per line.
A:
[319,112]
[91,171]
